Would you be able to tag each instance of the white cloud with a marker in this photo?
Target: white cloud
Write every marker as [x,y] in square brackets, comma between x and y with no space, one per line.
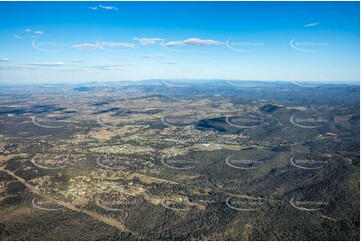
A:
[108,7]
[193,42]
[93,7]
[116,44]
[87,47]
[154,56]
[18,36]
[27,30]
[147,41]
[173,43]
[4,59]
[38,32]
[101,45]
[46,63]
[312,24]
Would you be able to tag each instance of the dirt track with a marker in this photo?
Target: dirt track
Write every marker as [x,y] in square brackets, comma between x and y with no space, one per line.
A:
[101,218]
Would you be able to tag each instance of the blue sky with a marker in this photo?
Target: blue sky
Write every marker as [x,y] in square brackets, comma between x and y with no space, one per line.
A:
[71,42]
